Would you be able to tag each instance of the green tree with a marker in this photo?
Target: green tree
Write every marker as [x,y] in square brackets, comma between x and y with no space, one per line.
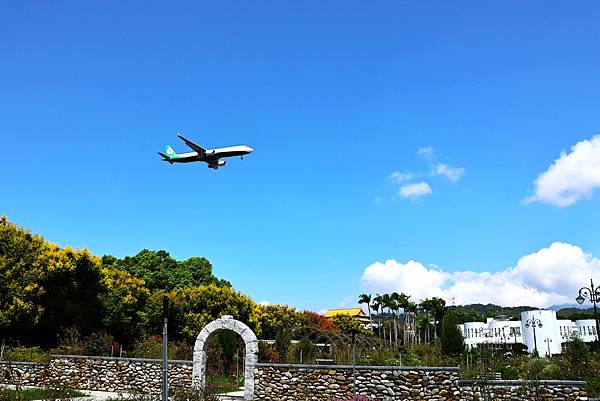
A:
[124,301]
[273,318]
[22,267]
[451,339]
[161,272]
[198,306]
[348,325]
[72,291]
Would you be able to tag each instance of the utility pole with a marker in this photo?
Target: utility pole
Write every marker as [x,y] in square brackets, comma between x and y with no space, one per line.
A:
[353,367]
[165,361]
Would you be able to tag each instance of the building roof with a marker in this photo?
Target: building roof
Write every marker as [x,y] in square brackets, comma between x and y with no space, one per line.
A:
[354,312]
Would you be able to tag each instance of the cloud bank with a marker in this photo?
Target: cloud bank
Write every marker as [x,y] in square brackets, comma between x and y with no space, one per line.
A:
[453,174]
[572,177]
[415,190]
[550,276]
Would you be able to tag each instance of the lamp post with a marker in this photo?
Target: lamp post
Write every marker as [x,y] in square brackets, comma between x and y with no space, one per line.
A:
[593,294]
[533,322]
[548,340]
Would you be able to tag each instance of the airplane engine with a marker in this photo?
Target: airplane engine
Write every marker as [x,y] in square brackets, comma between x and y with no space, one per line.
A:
[221,163]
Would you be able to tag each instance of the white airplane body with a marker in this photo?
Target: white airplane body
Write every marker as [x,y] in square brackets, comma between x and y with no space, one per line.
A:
[212,157]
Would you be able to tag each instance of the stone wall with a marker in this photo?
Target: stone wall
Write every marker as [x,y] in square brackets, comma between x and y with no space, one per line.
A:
[25,373]
[309,382]
[523,390]
[100,373]
[289,382]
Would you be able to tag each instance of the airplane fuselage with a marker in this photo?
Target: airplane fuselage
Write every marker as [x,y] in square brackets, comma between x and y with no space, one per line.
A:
[212,155]
[199,154]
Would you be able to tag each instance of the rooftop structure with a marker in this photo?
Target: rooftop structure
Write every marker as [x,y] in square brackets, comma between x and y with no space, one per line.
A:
[356,313]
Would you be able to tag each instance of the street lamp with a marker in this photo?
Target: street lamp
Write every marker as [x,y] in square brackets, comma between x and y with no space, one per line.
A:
[594,296]
[533,322]
[548,340]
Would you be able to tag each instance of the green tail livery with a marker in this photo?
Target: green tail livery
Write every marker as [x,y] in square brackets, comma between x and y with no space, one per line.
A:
[171,154]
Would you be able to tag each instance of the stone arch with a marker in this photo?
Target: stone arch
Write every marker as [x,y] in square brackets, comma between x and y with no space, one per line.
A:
[226,323]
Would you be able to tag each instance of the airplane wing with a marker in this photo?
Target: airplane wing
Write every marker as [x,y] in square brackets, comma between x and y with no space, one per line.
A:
[198,149]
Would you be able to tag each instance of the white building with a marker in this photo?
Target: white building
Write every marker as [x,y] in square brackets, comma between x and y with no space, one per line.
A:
[538,330]
[586,329]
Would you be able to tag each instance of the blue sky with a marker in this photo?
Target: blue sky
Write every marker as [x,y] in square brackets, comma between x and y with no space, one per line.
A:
[334,97]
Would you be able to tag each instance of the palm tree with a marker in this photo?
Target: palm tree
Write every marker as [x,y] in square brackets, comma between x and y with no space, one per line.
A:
[412,308]
[438,306]
[426,305]
[402,300]
[385,303]
[376,304]
[366,298]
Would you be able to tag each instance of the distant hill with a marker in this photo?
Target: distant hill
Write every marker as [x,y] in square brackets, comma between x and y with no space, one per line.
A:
[567,306]
[479,312]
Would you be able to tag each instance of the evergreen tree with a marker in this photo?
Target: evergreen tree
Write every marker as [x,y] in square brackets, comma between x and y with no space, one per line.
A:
[451,338]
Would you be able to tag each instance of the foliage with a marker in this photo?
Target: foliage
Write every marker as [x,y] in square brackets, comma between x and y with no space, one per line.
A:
[282,344]
[315,321]
[451,339]
[272,318]
[348,325]
[161,272]
[198,306]
[304,351]
[124,301]
[151,348]
[191,394]
[267,353]
[26,354]
[47,393]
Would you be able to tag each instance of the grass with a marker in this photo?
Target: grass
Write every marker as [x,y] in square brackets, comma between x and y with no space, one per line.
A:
[38,394]
[219,385]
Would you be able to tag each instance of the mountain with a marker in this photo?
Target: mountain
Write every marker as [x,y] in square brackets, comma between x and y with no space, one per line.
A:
[567,306]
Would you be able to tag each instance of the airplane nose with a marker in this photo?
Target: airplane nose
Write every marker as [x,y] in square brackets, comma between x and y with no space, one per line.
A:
[250,150]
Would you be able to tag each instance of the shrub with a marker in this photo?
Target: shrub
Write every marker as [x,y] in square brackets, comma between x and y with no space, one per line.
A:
[26,354]
[151,348]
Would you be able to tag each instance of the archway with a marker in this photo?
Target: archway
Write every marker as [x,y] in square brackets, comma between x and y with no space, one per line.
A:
[226,323]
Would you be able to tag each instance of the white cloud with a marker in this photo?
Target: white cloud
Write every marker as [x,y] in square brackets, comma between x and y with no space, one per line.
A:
[414,191]
[378,200]
[412,278]
[264,303]
[451,173]
[427,152]
[550,276]
[398,176]
[571,177]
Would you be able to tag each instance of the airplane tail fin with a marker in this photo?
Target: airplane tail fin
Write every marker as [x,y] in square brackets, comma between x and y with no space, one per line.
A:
[170,152]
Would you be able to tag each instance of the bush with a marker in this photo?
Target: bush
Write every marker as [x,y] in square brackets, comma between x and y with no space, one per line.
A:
[26,354]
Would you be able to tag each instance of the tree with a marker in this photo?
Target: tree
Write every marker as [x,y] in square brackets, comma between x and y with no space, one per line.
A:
[23,264]
[375,305]
[198,306]
[366,299]
[124,301]
[72,291]
[348,325]
[273,318]
[437,307]
[388,302]
[161,272]
[315,321]
[451,339]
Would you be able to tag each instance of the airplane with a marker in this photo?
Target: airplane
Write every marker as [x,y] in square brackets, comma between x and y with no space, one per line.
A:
[209,156]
